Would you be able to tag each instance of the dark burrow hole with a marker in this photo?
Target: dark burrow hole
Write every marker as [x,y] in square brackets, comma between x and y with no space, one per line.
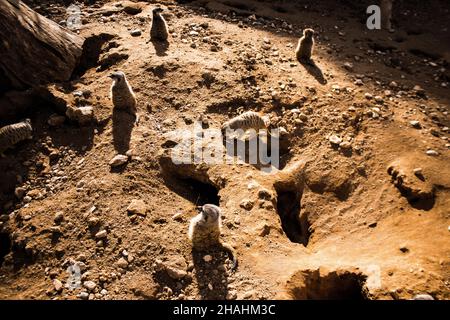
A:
[5,246]
[200,193]
[295,225]
[331,286]
[92,48]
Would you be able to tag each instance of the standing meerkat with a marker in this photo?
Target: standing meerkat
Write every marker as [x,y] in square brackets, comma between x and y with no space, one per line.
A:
[305,46]
[205,229]
[14,133]
[159,31]
[122,94]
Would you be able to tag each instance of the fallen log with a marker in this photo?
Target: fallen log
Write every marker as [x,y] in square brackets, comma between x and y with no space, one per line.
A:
[33,49]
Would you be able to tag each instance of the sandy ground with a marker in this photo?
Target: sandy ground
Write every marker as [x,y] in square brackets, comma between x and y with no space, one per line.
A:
[353,221]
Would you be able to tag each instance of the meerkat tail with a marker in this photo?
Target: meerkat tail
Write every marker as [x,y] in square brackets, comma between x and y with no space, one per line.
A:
[232,253]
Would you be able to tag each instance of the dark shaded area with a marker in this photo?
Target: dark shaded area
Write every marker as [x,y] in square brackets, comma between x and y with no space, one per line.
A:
[200,193]
[211,277]
[5,84]
[160,47]
[295,225]
[123,123]
[92,48]
[17,105]
[197,192]
[336,285]
[5,246]
[312,68]
[418,202]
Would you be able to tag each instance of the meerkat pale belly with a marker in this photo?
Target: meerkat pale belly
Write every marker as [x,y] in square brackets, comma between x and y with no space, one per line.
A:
[205,229]
[122,94]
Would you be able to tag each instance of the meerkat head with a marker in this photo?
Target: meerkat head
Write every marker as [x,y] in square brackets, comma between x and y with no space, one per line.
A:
[210,213]
[308,33]
[117,76]
[157,10]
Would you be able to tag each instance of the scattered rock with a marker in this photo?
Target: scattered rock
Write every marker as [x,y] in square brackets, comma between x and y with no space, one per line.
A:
[57,285]
[379,99]
[423,296]
[207,258]
[137,207]
[348,66]
[247,204]
[90,285]
[178,216]
[345,145]
[83,295]
[334,139]
[101,234]
[415,124]
[82,115]
[122,263]
[136,33]
[419,91]
[431,152]
[131,7]
[175,273]
[118,160]
[231,295]
[20,192]
[176,267]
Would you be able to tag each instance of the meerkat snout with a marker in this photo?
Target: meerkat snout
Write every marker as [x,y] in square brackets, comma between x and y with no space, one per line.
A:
[305,46]
[117,76]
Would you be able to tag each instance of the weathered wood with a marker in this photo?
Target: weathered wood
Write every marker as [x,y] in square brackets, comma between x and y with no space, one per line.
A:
[33,49]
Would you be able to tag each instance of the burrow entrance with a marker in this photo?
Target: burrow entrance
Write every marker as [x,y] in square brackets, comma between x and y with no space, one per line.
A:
[295,225]
[198,192]
[5,246]
[335,285]
[92,48]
